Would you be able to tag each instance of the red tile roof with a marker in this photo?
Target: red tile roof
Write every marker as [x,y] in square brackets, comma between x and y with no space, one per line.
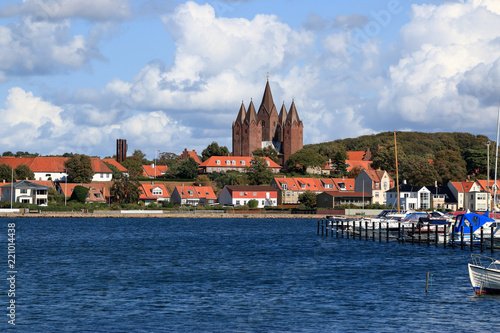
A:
[149,170]
[356,155]
[186,154]
[227,161]
[115,163]
[98,166]
[147,191]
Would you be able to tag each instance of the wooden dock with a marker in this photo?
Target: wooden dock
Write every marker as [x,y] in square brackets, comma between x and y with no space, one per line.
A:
[435,235]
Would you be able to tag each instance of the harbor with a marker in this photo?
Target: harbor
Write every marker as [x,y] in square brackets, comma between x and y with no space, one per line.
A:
[448,235]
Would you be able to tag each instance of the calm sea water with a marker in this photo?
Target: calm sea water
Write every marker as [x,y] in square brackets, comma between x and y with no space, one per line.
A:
[233,275]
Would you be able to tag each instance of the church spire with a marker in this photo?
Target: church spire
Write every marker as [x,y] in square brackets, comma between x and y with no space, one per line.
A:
[267,103]
[282,115]
[293,115]
[251,114]
[241,114]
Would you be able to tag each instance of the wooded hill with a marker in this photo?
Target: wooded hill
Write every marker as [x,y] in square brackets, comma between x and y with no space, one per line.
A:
[449,156]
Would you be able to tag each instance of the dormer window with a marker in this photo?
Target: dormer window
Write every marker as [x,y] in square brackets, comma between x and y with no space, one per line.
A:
[157,191]
[228,162]
[217,162]
[233,162]
[242,162]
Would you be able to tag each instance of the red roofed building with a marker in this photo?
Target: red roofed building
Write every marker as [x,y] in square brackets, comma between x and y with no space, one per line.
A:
[154,193]
[233,163]
[193,195]
[52,168]
[102,173]
[469,195]
[359,159]
[154,171]
[187,154]
[240,195]
[376,183]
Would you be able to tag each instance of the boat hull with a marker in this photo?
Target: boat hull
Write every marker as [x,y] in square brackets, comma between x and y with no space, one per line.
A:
[484,280]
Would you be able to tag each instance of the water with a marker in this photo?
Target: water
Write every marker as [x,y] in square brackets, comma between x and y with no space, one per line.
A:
[233,275]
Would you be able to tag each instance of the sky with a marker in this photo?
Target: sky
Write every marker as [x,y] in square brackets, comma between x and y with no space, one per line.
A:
[76,75]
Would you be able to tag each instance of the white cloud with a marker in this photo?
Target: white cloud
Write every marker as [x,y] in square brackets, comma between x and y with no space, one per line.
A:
[40,47]
[448,67]
[63,9]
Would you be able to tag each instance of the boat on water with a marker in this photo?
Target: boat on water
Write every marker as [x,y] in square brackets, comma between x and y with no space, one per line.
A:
[484,274]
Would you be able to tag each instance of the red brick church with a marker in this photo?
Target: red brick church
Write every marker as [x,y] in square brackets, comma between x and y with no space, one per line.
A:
[253,130]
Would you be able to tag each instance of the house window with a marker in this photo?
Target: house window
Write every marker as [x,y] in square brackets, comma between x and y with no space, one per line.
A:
[254,194]
[284,186]
[228,162]
[24,191]
[242,162]
[102,175]
[233,162]
[217,162]
[190,192]
[303,186]
[157,191]
[377,185]
[97,195]
[241,194]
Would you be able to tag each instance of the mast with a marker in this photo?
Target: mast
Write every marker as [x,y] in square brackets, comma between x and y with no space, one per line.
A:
[496,163]
[397,172]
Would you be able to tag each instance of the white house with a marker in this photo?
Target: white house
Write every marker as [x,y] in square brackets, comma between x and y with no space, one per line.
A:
[240,195]
[410,197]
[25,192]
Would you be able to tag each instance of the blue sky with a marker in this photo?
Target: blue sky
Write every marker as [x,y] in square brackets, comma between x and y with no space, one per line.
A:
[76,75]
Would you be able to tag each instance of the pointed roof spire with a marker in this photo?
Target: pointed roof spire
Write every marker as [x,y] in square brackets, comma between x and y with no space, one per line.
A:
[293,115]
[242,114]
[282,115]
[267,100]
[251,114]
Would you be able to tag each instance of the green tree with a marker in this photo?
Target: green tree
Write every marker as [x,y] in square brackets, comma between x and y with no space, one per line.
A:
[418,171]
[308,198]
[117,174]
[6,173]
[385,159]
[227,178]
[337,154]
[188,169]
[269,152]
[133,165]
[476,161]
[24,172]
[303,159]
[141,156]
[354,173]
[8,153]
[450,166]
[252,203]
[79,169]
[213,149]
[125,190]
[79,194]
[258,173]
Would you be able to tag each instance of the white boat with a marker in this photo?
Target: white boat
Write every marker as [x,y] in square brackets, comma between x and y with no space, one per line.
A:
[484,274]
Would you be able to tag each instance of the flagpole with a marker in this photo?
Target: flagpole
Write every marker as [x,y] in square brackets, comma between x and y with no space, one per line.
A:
[397,173]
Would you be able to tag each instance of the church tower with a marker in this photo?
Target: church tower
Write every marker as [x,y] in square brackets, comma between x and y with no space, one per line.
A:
[251,134]
[237,130]
[293,133]
[268,115]
[252,130]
